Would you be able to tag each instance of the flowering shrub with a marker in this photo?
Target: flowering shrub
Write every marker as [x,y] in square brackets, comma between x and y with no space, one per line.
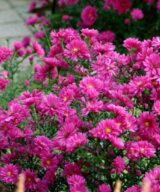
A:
[123,18]
[88,116]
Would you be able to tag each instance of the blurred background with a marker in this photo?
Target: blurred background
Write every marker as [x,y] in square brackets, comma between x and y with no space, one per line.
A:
[12,16]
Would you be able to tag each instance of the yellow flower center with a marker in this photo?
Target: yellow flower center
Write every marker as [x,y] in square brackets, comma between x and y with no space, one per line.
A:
[66,114]
[147,124]
[75,50]
[139,83]
[90,15]
[108,130]
[90,86]
[9,173]
[48,162]
[65,99]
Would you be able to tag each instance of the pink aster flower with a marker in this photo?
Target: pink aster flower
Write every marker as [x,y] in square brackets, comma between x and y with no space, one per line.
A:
[77,49]
[116,142]
[68,138]
[147,123]
[92,106]
[50,104]
[49,176]
[106,36]
[16,113]
[138,84]
[17,45]
[105,66]
[134,188]
[91,86]
[104,188]
[140,149]
[103,50]
[26,41]
[153,177]
[32,6]
[38,49]
[71,169]
[121,99]
[76,141]
[132,44]
[3,83]
[5,54]
[64,133]
[77,183]
[156,107]
[89,32]
[3,141]
[39,34]
[137,14]
[31,180]
[32,20]
[64,81]
[118,165]
[156,42]
[105,129]
[26,83]
[66,18]
[54,62]
[9,174]
[42,144]
[158,5]
[48,161]
[65,35]
[67,95]
[42,186]
[32,98]
[116,109]
[121,6]
[152,65]
[89,15]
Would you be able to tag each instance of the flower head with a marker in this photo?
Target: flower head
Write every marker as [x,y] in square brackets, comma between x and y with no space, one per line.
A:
[137,14]
[134,188]
[118,165]
[147,120]
[132,44]
[104,188]
[5,54]
[9,174]
[38,49]
[89,15]
[77,49]
[77,183]
[140,149]
[31,180]
[153,177]
[152,65]
[105,129]
[91,86]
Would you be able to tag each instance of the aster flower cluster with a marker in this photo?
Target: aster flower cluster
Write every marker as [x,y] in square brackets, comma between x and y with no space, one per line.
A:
[131,17]
[88,116]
